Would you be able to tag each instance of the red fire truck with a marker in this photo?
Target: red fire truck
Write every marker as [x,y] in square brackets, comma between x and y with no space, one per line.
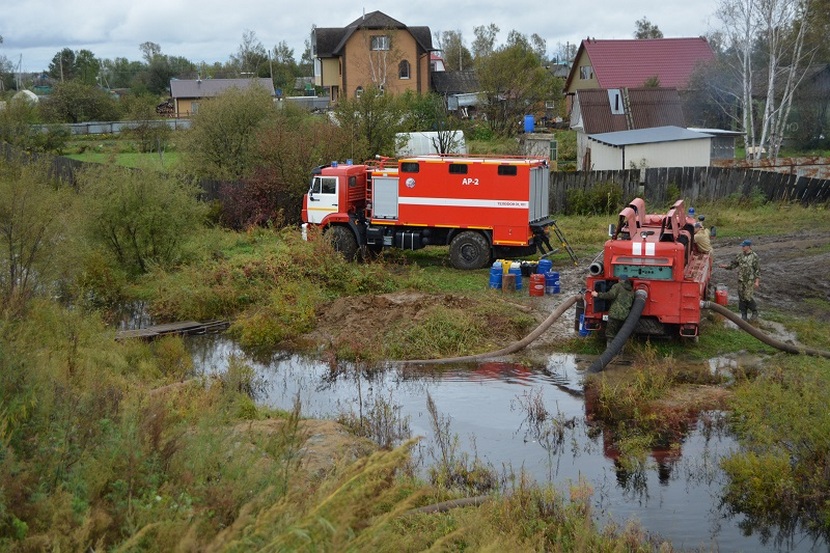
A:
[657,252]
[481,207]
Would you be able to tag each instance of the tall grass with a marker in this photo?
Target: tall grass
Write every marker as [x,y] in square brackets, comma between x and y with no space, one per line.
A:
[778,479]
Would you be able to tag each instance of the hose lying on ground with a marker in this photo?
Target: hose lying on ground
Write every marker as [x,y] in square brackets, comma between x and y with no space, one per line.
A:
[625,331]
[512,348]
[756,333]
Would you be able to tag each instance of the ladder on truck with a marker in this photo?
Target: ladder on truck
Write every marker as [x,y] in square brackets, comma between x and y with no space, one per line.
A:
[562,241]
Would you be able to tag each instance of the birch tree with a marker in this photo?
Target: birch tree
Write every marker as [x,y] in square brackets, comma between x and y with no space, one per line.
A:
[765,48]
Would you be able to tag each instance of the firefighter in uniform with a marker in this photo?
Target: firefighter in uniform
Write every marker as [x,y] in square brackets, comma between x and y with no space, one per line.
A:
[749,278]
[621,295]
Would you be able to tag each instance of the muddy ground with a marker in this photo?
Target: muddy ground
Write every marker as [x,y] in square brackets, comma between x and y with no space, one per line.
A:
[795,279]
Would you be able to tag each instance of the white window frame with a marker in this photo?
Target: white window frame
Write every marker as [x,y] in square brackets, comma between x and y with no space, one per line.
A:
[586,72]
[379,43]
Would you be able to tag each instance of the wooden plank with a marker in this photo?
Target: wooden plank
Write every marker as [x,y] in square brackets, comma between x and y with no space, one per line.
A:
[183,327]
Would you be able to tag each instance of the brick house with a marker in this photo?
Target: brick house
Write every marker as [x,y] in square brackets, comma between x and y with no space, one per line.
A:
[373,50]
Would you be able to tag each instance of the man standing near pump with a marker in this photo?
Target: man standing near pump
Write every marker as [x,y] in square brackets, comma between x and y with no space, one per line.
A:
[621,295]
[749,278]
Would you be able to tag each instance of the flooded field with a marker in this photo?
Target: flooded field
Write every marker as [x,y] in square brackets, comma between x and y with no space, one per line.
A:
[495,411]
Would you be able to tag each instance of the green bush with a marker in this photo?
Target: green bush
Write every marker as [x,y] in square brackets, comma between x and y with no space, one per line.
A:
[140,217]
[602,199]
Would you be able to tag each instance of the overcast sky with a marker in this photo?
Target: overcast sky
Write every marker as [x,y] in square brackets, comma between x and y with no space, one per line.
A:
[208,31]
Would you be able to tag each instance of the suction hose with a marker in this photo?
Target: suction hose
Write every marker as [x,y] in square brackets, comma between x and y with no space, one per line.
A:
[512,348]
[756,333]
[627,328]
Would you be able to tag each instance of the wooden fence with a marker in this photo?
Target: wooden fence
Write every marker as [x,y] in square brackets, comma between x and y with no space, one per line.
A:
[695,184]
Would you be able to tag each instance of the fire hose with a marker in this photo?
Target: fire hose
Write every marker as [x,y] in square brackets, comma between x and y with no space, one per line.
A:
[756,333]
[625,331]
[512,348]
[620,339]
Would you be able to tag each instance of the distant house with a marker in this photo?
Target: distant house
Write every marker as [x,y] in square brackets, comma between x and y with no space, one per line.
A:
[373,50]
[597,111]
[635,63]
[186,94]
[667,146]
[460,90]
[436,62]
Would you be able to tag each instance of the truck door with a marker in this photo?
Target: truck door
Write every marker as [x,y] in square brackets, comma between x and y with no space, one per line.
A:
[322,198]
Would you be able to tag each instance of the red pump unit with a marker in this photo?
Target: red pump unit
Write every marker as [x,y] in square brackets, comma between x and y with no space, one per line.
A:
[657,252]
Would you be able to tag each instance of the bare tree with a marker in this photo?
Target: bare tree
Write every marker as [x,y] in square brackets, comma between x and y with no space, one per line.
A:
[765,42]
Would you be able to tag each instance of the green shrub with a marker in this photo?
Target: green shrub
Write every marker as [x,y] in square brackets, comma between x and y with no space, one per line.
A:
[602,199]
[140,217]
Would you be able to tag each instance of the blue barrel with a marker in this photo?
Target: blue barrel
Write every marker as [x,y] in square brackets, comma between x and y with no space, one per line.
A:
[516,269]
[530,123]
[583,332]
[552,282]
[496,273]
[544,266]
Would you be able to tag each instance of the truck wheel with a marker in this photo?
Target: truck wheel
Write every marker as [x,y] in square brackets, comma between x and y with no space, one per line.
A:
[344,241]
[469,250]
[370,253]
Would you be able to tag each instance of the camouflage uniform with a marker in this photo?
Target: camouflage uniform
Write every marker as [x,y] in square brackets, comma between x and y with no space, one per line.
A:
[749,269]
[622,296]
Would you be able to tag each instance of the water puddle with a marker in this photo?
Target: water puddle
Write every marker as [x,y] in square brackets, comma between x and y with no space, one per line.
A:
[495,409]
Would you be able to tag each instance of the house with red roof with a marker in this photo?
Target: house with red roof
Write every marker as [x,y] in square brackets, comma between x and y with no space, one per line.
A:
[634,63]
[616,86]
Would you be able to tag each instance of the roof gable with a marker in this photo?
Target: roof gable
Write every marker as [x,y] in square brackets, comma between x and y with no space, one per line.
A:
[331,41]
[631,63]
[206,88]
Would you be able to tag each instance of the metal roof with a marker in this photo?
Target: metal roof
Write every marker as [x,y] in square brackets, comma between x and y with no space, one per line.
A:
[206,88]
[648,136]
[631,63]
[643,108]
[455,82]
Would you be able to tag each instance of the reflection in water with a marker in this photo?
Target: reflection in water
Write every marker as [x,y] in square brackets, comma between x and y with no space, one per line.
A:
[514,418]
